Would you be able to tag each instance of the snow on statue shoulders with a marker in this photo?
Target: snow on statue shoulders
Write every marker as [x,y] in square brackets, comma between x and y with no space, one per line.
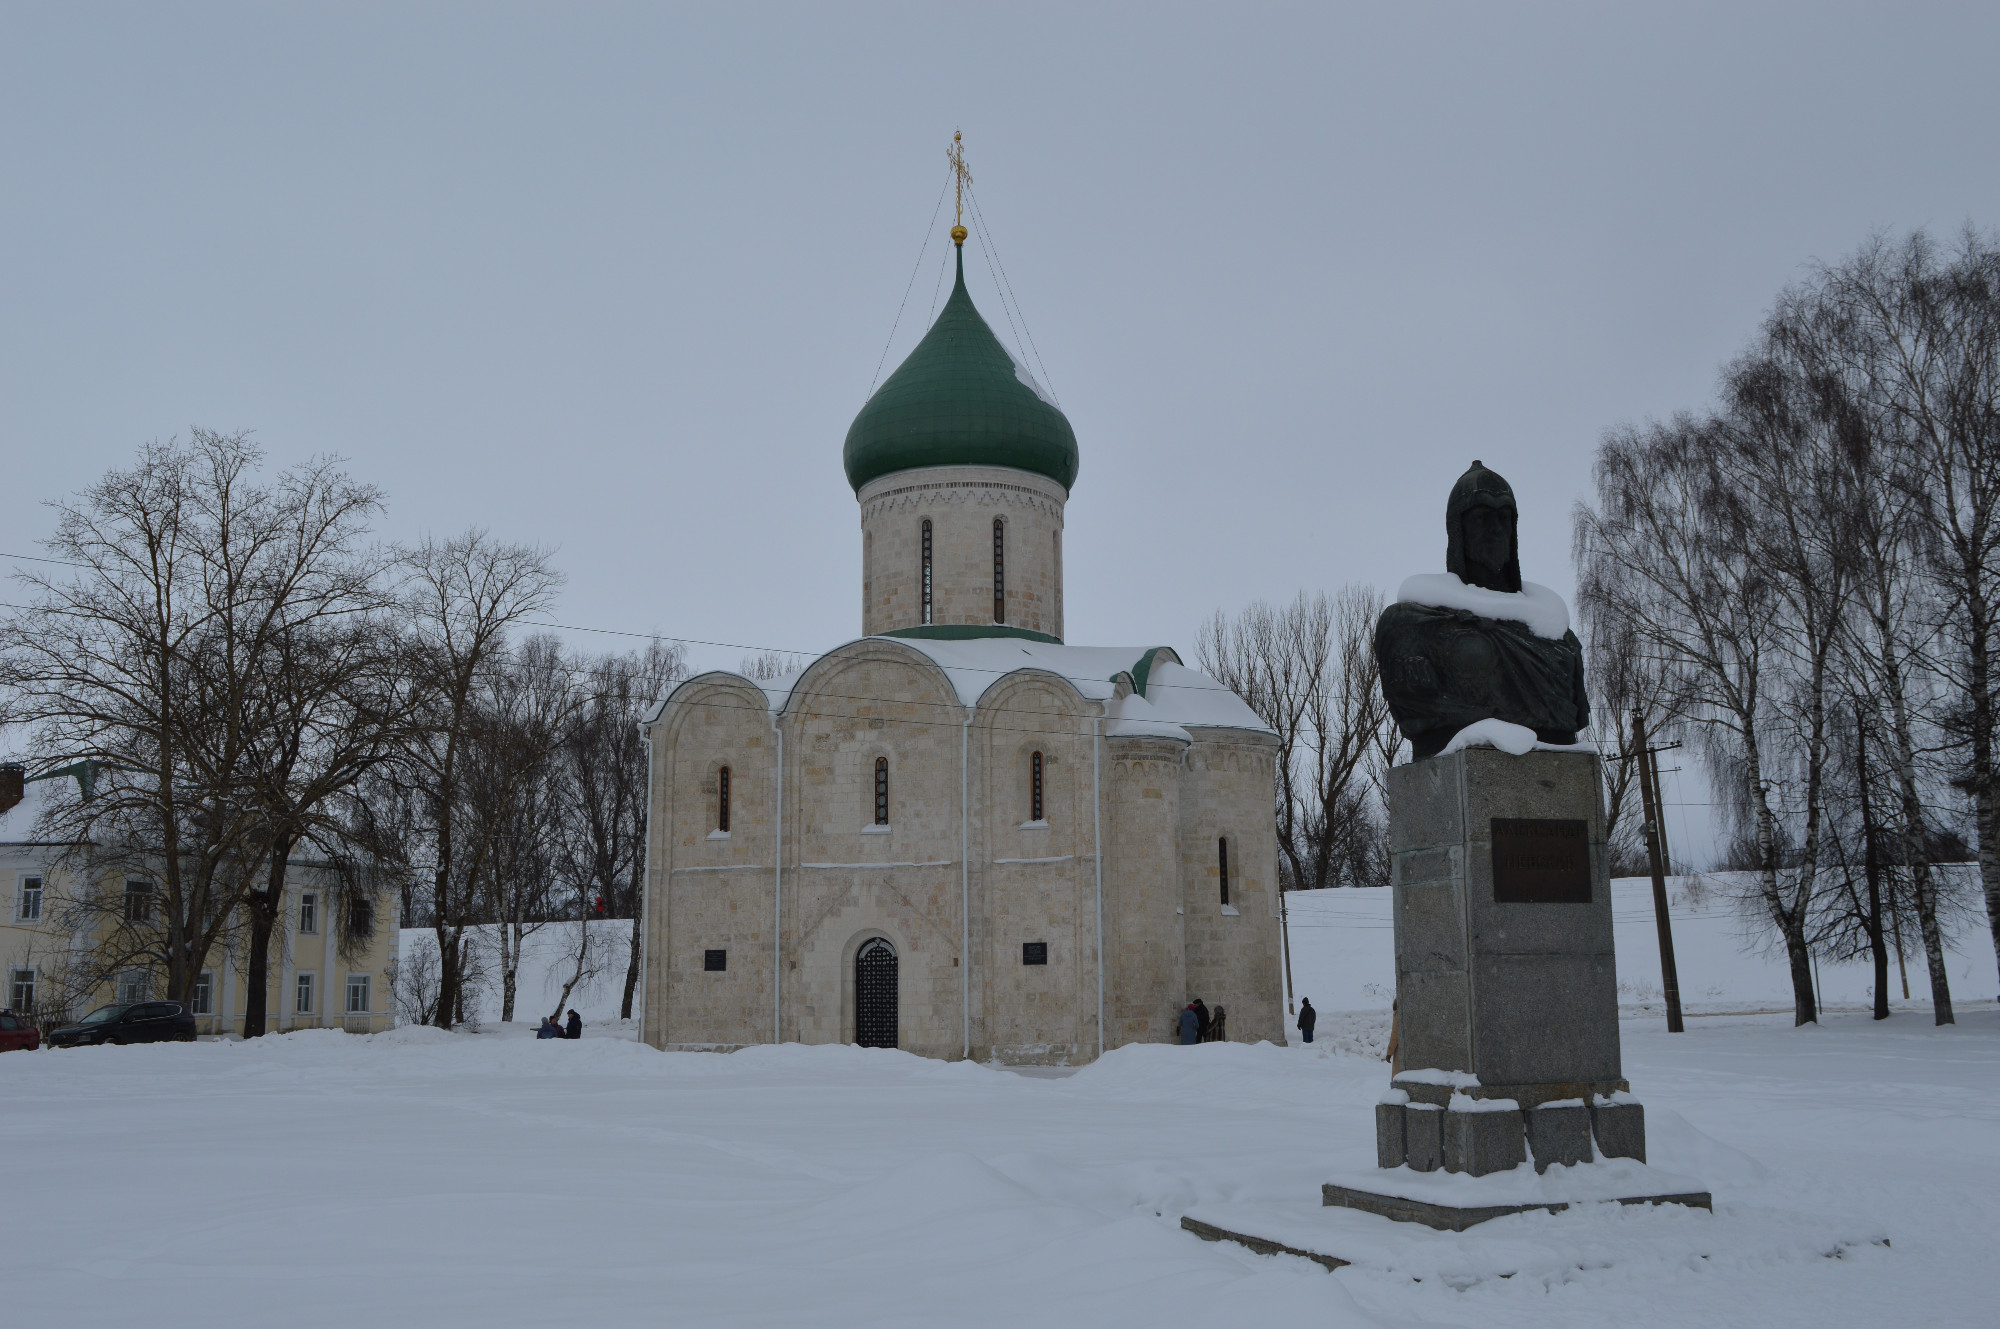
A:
[1540,608]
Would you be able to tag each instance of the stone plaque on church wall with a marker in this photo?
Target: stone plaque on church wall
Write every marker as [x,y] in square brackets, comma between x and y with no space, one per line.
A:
[1541,860]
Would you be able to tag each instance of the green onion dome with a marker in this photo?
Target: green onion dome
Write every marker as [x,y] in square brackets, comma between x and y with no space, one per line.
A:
[960,400]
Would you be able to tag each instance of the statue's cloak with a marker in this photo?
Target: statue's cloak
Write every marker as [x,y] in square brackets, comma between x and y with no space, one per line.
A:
[1443,669]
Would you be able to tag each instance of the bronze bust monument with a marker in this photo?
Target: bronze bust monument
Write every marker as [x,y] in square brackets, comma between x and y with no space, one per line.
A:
[1476,644]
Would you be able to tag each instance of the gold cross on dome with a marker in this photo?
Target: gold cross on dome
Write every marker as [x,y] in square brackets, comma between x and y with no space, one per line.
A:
[955,154]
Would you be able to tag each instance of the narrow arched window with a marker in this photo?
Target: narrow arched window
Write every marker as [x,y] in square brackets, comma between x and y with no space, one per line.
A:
[927,571]
[1222,865]
[1035,788]
[999,570]
[881,791]
[722,799]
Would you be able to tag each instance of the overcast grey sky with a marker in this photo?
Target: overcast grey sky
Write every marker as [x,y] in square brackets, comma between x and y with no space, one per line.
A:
[616,278]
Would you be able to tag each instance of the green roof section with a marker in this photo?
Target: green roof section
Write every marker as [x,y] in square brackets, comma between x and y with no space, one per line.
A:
[1144,669]
[970,632]
[960,400]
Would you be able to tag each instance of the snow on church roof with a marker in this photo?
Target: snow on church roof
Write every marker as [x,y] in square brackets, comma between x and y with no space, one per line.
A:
[1174,700]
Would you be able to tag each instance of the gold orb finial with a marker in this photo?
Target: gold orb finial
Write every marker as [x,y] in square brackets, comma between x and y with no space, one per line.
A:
[958,234]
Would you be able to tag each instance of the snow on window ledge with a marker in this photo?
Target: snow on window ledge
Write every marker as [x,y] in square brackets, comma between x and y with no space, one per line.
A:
[718,835]
[875,830]
[1035,825]
[1229,911]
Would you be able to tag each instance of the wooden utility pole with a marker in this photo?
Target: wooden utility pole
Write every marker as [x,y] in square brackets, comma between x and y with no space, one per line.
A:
[1670,979]
[1285,931]
[1660,810]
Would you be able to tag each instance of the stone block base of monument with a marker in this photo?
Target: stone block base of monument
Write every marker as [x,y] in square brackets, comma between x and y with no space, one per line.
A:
[1466,1128]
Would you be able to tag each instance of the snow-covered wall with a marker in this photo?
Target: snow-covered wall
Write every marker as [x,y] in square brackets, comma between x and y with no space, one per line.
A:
[546,964]
[1343,954]
[1343,957]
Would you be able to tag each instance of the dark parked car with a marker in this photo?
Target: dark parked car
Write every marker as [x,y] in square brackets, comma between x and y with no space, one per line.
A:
[140,1022]
[18,1032]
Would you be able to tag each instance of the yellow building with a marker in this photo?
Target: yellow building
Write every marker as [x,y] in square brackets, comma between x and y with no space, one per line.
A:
[330,962]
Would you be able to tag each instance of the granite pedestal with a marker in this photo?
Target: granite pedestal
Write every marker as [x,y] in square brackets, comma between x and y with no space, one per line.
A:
[1507,988]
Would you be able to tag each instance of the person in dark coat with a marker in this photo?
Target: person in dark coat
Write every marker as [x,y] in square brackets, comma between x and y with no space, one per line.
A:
[548,1029]
[1218,1027]
[575,1029]
[1190,1026]
[1201,1021]
[1308,1017]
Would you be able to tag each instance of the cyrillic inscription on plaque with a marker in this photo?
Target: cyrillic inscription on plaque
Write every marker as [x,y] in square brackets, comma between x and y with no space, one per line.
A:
[1541,860]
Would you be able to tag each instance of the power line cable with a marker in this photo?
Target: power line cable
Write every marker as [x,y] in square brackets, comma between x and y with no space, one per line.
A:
[986,233]
[914,270]
[986,251]
[810,654]
[944,266]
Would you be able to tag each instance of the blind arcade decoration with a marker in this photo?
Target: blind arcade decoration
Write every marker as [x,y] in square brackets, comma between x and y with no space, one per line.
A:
[1541,860]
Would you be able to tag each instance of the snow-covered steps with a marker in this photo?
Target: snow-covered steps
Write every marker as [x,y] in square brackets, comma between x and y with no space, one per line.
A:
[1536,1246]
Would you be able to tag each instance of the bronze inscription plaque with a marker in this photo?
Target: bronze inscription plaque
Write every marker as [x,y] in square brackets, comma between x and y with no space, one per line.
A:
[1541,860]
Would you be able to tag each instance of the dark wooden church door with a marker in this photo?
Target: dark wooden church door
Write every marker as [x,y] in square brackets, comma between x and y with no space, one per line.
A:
[875,995]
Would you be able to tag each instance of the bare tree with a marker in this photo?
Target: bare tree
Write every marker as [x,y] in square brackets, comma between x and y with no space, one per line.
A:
[1308,670]
[141,673]
[1623,676]
[1663,553]
[604,763]
[767,665]
[515,800]
[1928,336]
[1784,448]
[330,700]
[1825,541]
[461,597]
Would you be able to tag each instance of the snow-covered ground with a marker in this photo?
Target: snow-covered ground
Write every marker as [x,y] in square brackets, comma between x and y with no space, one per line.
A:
[435,1179]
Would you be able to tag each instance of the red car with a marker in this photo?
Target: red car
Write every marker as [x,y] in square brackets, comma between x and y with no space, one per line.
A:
[18,1031]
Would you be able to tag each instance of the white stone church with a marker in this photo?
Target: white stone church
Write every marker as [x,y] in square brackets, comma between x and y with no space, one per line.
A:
[957,834]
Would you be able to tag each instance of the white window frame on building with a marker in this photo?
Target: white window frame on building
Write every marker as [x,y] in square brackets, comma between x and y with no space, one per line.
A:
[305,992]
[358,983]
[28,898]
[202,1000]
[21,990]
[138,900]
[133,987]
[308,913]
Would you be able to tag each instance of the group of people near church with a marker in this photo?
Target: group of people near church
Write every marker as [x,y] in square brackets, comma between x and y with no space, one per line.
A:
[1197,1025]
[550,1029]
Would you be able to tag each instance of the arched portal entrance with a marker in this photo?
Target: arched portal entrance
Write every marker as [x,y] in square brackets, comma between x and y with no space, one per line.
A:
[875,995]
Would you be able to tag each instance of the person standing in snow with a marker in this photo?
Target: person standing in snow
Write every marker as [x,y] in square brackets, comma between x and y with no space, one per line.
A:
[1308,1017]
[575,1029]
[1217,1031]
[548,1029]
[1201,1021]
[1190,1026]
